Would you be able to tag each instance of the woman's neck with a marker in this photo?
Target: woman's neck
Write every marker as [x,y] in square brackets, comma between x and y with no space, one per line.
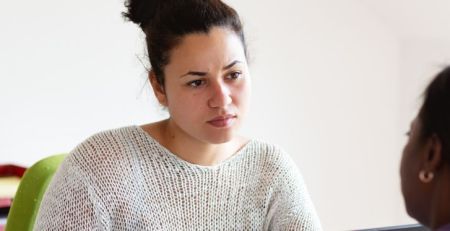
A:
[190,149]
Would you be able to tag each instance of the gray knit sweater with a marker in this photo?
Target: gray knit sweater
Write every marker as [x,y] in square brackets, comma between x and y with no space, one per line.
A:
[123,179]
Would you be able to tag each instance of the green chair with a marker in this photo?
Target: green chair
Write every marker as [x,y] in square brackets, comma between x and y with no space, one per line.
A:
[31,189]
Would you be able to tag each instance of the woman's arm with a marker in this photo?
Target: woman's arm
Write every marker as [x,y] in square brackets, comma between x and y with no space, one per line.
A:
[291,207]
[71,203]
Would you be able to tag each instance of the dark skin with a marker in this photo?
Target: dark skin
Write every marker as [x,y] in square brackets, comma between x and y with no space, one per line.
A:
[427,202]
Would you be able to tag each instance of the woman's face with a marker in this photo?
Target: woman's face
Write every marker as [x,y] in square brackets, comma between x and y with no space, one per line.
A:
[414,191]
[207,85]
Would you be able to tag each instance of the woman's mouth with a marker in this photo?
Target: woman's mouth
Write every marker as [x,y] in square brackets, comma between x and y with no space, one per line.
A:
[223,121]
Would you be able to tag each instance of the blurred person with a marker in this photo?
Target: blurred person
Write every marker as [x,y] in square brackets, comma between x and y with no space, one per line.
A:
[425,164]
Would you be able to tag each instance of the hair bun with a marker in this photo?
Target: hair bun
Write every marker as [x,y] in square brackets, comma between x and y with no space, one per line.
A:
[141,12]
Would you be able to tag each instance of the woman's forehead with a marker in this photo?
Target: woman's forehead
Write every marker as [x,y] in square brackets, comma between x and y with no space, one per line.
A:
[218,44]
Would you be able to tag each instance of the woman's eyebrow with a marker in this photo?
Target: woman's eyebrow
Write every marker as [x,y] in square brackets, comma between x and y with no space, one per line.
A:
[231,64]
[199,73]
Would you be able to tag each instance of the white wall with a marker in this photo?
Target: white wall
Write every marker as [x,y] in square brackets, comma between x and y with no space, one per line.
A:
[422,59]
[66,74]
[326,88]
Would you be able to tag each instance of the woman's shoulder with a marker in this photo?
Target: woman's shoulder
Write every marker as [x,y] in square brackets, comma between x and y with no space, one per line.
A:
[273,155]
[267,149]
[107,145]
[275,165]
[107,139]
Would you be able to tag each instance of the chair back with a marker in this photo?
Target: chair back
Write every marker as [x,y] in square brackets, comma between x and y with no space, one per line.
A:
[32,187]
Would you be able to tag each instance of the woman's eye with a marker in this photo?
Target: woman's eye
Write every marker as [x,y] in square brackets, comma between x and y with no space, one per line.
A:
[234,75]
[196,83]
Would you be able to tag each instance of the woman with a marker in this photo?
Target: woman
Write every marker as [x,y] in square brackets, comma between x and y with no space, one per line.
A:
[192,170]
[425,166]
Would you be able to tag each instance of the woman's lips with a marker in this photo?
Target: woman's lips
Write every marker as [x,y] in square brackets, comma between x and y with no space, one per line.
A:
[222,121]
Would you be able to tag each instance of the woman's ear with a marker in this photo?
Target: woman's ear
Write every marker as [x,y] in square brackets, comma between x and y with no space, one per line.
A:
[433,154]
[158,90]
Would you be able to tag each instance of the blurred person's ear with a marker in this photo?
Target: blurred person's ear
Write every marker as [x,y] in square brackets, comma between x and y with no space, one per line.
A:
[432,155]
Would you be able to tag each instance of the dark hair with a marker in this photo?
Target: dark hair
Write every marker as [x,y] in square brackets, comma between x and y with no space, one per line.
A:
[164,22]
[435,112]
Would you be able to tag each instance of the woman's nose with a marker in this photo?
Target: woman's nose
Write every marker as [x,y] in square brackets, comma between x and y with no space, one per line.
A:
[220,95]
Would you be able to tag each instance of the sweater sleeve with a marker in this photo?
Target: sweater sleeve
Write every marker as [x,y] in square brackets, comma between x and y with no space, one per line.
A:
[71,203]
[291,207]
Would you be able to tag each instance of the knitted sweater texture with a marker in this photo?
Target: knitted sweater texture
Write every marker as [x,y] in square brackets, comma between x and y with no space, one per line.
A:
[123,179]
